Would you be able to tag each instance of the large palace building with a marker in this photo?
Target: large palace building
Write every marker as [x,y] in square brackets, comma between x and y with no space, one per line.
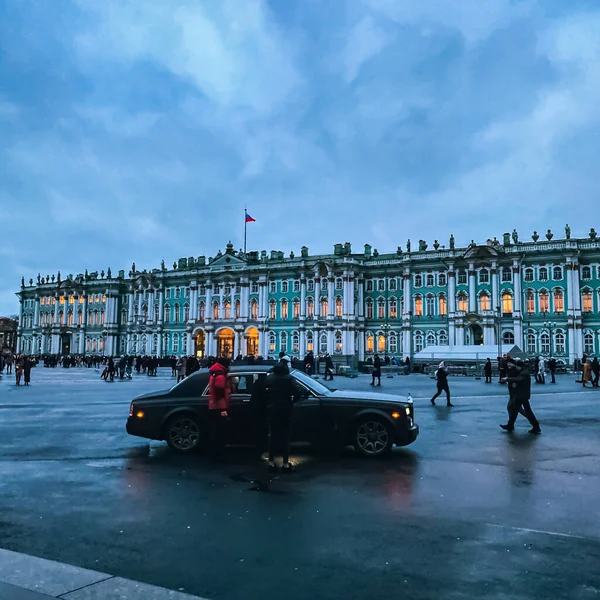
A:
[542,295]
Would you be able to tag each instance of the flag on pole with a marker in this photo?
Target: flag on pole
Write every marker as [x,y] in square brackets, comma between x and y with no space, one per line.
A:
[249,219]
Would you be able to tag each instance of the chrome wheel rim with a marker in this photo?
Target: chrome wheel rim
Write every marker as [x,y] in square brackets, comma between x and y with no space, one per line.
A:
[184,434]
[372,437]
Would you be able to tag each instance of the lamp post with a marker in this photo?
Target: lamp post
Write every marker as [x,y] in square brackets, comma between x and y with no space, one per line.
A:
[550,325]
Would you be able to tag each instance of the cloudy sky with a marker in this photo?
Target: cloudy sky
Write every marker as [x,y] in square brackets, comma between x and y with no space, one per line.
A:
[138,130]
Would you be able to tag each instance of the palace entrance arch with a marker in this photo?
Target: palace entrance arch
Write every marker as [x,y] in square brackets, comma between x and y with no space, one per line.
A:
[475,335]
[200,343]
[225,343]
[251,336]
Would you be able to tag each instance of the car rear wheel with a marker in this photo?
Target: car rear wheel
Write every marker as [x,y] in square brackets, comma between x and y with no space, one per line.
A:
[183,433]
[373,437]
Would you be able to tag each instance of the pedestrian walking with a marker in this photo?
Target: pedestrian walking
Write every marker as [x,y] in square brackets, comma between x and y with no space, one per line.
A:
[487,369]
[586,376]
[219,397]
[282,393]
[19,369]
[9,364]
[285,360]
[180,366]
[595,367]
[552,369]
[441,376]
[27,364]
[519,385]
[541,370]
[309,363]
[376,373]
[328,367]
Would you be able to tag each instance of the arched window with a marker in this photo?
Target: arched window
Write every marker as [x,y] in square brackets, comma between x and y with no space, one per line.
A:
[94,345]
[545,342]
[484,301]
[380,342]
[430,339]
[323,343]
[295,342]
[484,276]
[310,344]
[339,310]
[559,302]
[88,345]
[381,285]
[418,281]
[61,317]
[588,343]
[393,308]
[559,342]
[543,274]
[530,302]
[90,319]
[143,342]
[145,312]
[155,344]
[338,342]
[228,309]
[283,346]
[418,341]
[442,279]
[96,318]
[393,285]
[430,280]
[102,317]
[254,309]
[544,299]
[201,311]
[506,275]
[310,308]
[557,273]
[156,313]
[176,343]
[381,308]
[430,305]
[272,341]
[443,305]
[370,343]
[339,284]
[272,310]
[237,309]
[463,302]
[176,313]
[324,307]
[507,302]
[284,309]
[508,338]
[418,306]
[186,312]
[531,342]
[79,317]
[587,302]
[443,338]
[586,273]
[369,308]
[215,310]
[69,318]
[529,275]
[393,343]
[296,308]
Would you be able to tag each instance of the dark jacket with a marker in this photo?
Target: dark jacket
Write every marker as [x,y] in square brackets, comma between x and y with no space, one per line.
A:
[442,378]
[519,383]
[282,392]
[595,366]
[488,368]
[377,366]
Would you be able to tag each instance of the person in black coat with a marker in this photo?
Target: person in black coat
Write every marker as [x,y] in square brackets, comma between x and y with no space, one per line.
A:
[519,385]
[442,384]
[487,369]
[328,367]
[376,370]
[595,372]
[281,393]
[552,369]
[309,363]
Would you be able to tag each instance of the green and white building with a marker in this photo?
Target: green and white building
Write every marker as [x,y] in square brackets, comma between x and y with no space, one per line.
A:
[542,295]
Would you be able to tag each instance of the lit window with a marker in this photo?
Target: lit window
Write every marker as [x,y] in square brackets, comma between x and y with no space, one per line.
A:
[544,302]
[369,309]
[324,307]
[272,310]
[443,306]
[418,306]
[587,302]
[507,303]
[296,308]
[530,300]
[338,342]
[381,343]
[215,310]
[272,342]
[254,309]
[284,309]
[201,311]
[228,310]
[70,318]
[381,308]
[370,343]
[310,346]
[62,299]
[484,302]
[463,303]
[393,308]
[339,310]
[295,343]
[310,308]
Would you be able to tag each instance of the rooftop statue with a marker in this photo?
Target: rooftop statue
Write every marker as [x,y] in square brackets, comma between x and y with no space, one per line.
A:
[515,236]
[452,242]
[549,235]
[567,232]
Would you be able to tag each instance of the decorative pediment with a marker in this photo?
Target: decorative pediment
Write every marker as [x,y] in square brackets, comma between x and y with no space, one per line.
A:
[483,253]
[227,260]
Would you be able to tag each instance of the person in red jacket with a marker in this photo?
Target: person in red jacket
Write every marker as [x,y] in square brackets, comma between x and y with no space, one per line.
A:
[219,396]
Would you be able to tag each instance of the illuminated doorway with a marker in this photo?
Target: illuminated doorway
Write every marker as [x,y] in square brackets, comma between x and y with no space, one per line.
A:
[476,335]
[252,342]
[200,344]
[225,343]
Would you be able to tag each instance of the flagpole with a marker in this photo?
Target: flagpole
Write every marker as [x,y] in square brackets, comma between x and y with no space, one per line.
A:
[245,230]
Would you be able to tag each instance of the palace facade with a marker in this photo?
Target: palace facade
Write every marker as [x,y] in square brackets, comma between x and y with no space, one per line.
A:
[542,295]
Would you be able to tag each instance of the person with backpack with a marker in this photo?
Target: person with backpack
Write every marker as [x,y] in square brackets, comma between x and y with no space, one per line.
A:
[441,376]
[219,398]
[282,393]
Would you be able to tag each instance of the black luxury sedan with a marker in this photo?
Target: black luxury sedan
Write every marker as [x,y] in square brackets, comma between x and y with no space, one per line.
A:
[371,422]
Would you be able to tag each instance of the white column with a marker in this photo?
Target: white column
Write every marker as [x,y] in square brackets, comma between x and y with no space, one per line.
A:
[407,292]
[262,301]
[140,303]
[495,287]
[317,298]
[451,290]
[302,344]
[576,291]
[361,345]
[161,306]
[150,305]
[56,308]
[330,342]
[518,293]
[159,349]
[131,300]
[302,300]
[36,318]
[361,301]
[472,290]
[189,347]
[331,298]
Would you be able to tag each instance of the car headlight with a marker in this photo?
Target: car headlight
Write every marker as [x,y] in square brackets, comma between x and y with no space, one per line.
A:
[407,410]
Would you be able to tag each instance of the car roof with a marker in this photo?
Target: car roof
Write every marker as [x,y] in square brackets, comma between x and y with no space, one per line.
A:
[251,369]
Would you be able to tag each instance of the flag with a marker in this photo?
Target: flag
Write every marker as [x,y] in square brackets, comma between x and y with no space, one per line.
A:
[249,219]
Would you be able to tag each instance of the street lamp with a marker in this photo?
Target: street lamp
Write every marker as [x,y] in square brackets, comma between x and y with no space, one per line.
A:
[550,325]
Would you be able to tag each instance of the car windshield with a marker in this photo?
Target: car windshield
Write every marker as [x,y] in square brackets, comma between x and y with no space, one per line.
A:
[309,382]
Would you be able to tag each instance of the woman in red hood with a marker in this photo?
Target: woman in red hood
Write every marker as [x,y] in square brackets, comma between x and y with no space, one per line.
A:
[219,396]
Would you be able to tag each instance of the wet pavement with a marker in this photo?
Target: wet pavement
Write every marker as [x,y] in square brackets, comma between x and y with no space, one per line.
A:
[467,511]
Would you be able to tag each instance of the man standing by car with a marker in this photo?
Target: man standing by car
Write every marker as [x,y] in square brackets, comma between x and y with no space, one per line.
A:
[219,396]
[281,392]
[519,386]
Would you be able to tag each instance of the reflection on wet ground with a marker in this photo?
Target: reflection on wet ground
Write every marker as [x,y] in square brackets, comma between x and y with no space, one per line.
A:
[462,513]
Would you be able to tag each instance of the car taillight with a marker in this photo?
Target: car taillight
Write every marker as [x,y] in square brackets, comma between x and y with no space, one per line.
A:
[131,410]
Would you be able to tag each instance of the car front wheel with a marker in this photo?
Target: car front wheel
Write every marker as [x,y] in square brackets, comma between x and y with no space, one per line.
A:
[373,437]
[183,434]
